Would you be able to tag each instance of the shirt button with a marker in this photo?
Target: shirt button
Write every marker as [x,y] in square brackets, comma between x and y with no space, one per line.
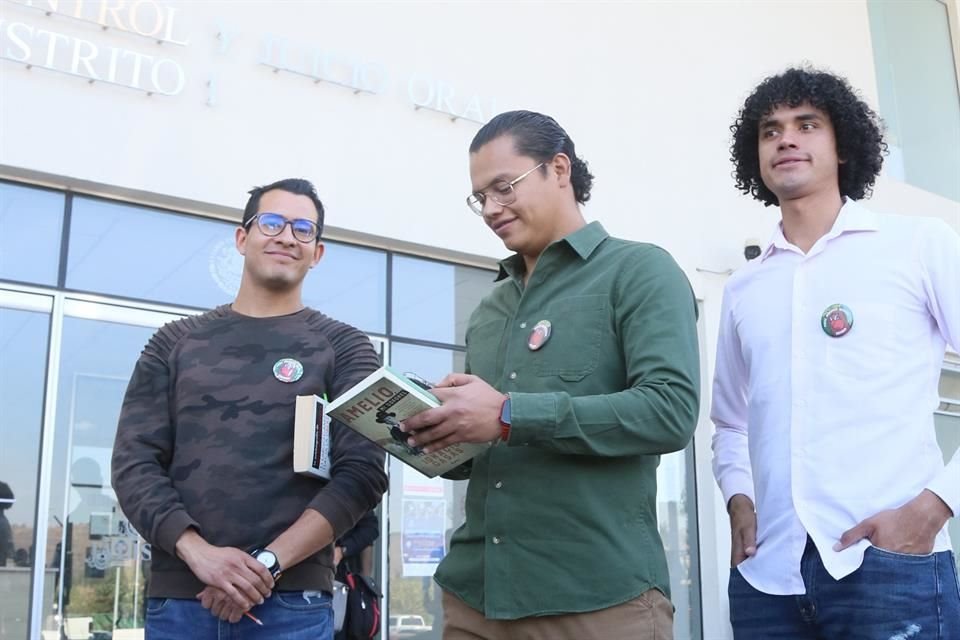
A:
[496,539]
[513,375]
[499,485]
[523,325]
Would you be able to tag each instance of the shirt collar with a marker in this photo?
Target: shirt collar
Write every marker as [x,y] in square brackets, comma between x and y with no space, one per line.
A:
[583,241]
[852,217]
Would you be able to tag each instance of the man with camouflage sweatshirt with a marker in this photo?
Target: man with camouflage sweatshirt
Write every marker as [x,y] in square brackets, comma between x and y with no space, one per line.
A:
[202,463]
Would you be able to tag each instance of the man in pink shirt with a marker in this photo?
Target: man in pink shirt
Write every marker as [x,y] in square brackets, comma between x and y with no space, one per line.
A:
[830,348]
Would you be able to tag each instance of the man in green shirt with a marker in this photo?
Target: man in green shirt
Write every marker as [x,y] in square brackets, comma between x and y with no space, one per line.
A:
[582,368]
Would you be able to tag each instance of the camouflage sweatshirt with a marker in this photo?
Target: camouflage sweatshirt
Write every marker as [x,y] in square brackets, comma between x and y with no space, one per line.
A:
[205,439]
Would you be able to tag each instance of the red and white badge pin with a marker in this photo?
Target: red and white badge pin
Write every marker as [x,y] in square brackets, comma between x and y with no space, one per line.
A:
[539,336]
[287,370]
[836,320]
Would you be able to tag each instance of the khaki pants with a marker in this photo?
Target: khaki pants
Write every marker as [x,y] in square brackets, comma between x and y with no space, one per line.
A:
[648,617]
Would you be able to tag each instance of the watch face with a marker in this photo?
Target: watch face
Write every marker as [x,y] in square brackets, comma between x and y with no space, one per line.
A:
[267,559]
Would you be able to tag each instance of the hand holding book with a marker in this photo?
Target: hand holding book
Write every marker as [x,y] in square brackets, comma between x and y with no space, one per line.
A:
[377,406]
[469,413]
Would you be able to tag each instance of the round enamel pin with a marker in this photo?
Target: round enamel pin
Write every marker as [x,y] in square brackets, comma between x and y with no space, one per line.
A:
[836,320]
[539,335]
[287,370]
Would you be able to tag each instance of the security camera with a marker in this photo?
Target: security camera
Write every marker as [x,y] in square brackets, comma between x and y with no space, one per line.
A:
[751,249]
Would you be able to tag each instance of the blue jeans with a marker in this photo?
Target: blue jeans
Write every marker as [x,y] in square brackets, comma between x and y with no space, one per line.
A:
[286,615]
[892,596]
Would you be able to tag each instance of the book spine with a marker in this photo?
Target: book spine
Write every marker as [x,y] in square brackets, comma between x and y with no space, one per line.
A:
[322,457]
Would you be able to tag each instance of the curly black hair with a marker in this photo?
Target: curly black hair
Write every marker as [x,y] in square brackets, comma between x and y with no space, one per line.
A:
[858,130]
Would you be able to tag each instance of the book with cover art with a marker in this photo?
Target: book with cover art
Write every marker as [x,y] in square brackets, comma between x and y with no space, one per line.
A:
[311,438]
[375,407]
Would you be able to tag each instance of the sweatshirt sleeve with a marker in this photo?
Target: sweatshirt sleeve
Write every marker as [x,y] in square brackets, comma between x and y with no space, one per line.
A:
[357,476]
[143,447]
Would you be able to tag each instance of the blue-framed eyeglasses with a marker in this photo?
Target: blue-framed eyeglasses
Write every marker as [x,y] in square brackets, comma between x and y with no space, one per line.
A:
[272,224]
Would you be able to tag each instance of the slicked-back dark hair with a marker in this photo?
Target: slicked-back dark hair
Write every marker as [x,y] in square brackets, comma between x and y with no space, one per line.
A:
[296,186]
[541,138]
[858,130]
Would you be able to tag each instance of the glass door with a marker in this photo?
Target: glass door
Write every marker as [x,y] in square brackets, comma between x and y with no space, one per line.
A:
[97,563]
[24,339]
[422,514]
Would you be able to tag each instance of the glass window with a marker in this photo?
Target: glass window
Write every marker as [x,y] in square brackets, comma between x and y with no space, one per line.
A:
[350,284]
[433,300]
[23,353]
[677,517]
[99,574]
[919,99]
[142,253]
[422,512]
[947,423]
[36,214]
[427,362]
[679,524]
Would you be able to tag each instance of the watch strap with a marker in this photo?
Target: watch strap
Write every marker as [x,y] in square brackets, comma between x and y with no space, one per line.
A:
[505,419]
[275,570]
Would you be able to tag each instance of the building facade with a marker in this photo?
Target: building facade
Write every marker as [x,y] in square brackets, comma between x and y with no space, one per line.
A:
[130,132]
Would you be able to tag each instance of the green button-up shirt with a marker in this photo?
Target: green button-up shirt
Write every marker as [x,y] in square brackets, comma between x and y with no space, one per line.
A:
[562,517]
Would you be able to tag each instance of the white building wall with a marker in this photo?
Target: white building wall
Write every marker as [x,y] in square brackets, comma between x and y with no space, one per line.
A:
[646,90]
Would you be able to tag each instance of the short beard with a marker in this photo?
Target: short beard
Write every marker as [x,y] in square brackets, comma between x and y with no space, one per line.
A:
[277,284]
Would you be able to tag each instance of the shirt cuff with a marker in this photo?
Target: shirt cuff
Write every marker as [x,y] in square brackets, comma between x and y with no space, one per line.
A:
[947,485]
[735,482]
[533,417]
[171,528]
[339,516]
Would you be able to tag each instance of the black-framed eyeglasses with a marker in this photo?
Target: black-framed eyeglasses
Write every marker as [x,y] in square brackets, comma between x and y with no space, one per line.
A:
[272,224]
[501,192]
